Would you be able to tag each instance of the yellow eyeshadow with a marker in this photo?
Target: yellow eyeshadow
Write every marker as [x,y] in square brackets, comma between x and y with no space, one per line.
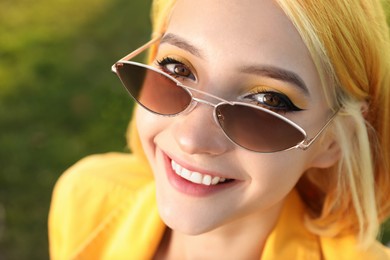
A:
[262,84]
[165,54]
[177,54]
[297,97]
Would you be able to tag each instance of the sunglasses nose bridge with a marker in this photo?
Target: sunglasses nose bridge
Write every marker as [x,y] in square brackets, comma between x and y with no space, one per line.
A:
[196,101]
[202,101]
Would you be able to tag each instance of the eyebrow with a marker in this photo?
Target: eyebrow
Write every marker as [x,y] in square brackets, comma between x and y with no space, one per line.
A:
[182,44]
[261,70]
[278,74]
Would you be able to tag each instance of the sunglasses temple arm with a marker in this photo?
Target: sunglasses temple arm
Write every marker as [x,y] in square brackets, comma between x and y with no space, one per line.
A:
[136,52]
[306,145]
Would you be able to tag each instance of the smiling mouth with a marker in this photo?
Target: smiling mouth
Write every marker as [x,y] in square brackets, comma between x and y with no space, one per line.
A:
[196,177]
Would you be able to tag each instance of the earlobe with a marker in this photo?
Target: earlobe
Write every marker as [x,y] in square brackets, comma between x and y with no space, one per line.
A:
[329,153]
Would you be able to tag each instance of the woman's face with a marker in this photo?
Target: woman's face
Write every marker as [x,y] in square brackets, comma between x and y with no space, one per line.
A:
[232,49]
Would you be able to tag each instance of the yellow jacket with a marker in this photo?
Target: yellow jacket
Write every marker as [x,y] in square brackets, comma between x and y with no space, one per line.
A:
[104,208]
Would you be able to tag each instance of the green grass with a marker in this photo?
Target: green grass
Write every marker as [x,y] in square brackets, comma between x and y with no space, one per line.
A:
[58,102]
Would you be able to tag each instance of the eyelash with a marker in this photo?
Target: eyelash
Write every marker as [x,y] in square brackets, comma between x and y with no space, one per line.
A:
[164,62]
[286,104]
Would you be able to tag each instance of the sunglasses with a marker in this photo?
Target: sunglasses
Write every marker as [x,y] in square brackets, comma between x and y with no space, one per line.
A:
[249,126]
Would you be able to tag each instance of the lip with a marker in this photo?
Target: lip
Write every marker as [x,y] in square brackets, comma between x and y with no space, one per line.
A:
[189,188]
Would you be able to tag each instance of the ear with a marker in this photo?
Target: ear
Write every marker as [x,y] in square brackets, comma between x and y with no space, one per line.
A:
[328,153]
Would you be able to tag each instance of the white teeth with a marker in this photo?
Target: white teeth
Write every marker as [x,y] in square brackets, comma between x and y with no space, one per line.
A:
[215,180]
[206,180]
[196,177]
[186,174]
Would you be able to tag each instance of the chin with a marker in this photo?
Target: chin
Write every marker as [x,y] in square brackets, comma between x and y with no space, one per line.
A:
[188,222]
[187,227]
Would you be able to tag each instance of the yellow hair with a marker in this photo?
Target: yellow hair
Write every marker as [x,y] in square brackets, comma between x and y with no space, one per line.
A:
[349,43]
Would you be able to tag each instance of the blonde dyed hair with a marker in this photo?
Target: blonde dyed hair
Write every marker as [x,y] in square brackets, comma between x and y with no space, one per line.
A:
[349,44]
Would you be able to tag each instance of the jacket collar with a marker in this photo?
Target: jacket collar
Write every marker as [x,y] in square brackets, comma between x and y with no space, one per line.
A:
[290,239]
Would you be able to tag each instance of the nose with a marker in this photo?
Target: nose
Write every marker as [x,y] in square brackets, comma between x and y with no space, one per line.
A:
[197,132]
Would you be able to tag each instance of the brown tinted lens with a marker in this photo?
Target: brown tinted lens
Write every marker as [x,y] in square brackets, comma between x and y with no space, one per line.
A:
[257,130]
[153,90]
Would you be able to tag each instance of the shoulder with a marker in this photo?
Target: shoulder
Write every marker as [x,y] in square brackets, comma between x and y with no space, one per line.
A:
[102,173]
[344,247]
[291,239]
[102,176]
[91,195]
[116,168]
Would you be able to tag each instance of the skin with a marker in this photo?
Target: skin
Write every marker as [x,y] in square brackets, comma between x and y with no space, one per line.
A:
[227,36]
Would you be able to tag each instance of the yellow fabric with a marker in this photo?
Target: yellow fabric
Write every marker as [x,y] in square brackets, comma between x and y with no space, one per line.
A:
[104,208]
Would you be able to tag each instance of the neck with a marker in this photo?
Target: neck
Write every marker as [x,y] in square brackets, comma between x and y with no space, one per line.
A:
[243,238]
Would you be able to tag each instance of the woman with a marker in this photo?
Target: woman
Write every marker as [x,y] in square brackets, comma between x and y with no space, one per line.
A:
[265,125]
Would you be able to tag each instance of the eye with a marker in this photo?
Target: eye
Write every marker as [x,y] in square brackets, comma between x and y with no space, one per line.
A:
[175,68]
[272,100]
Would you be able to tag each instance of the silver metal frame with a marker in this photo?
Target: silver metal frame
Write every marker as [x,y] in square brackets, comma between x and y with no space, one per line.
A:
[304,144]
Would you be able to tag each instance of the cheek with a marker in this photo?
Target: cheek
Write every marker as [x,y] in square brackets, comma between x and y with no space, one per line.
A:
[273,176]
[148,127]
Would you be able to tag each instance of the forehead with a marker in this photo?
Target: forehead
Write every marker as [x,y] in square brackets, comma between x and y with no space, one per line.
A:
[245,31]
[244,23]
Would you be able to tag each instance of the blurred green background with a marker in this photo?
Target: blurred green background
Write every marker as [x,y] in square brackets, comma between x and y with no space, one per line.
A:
[58,102]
